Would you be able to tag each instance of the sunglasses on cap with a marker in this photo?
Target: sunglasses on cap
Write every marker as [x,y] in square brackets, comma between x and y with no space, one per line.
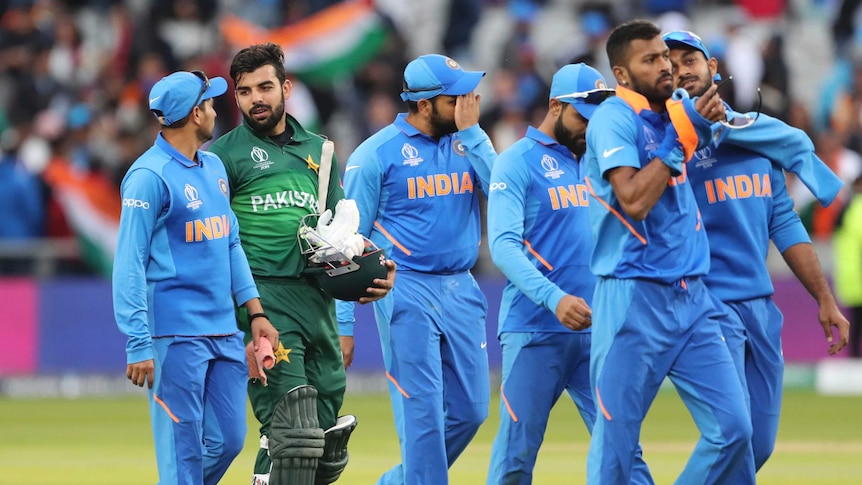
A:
[593,96]
[742,120]
[203,77]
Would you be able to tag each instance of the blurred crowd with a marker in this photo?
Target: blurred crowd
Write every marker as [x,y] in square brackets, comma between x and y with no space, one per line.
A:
[74,76]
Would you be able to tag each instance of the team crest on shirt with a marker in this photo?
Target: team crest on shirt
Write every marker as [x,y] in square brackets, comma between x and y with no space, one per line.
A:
[458,147]
[191,194]
[411,155]
[704,158]
[552,167]
[260,157]
[222,185]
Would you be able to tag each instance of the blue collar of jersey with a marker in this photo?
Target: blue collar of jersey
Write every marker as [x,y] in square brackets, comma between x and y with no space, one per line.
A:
[402,124]
[166,147]
[540,136]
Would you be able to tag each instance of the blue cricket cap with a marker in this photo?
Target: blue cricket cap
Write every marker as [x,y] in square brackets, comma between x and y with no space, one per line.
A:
[581,86]
[684,38]
[432,75]
[174,96]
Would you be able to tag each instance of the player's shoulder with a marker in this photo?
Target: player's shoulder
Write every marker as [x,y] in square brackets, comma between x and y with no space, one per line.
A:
[384,141]
[211,158]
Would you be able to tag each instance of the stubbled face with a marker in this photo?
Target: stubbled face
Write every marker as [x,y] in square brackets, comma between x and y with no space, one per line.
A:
[649,69]
[207,127]
[260,97]
[691,71]
[443,115]
[570,130]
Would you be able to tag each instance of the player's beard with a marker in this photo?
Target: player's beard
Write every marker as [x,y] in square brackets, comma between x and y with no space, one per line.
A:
[205,134]
[576,144]
[439,125]
[700,87]
[651,91]
[267,125]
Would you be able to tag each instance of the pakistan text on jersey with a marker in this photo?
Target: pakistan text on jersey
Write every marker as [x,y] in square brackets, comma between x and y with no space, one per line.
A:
[279,200]
[570,196]
[738,187]
[215,227]
[439,185]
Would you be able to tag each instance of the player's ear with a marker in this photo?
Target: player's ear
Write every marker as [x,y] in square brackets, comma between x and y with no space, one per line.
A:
[713,66]
[286,88]
[621,75]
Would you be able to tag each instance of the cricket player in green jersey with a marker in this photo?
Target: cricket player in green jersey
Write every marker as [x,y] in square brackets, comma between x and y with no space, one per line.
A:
[273,166]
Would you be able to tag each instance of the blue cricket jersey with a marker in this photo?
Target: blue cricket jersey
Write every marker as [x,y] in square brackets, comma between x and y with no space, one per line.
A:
[670,243]
[539,232]
[179,259]
[418,197]
[744,203]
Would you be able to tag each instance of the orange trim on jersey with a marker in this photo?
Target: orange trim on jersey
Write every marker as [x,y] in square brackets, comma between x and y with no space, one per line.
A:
[508,407]
[699,222]
[537,255]
[391,239]
[397,386]
[636,100]
[614,212]
[686,134]
[683,284]
[167,409]
[602,405]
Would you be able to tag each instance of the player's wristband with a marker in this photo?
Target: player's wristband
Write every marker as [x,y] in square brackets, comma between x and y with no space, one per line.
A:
[256,315]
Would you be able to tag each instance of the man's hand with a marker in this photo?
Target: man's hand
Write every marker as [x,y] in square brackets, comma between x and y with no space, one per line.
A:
[141,372]
[710,105]
[574,313]
[381,288]
[261,327]
[346,350]
[830,316]
[467,110]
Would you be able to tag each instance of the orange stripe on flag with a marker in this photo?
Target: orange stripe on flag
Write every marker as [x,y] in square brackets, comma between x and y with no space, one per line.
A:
[614,212]
[391,239]
[602,405]
[317,26]
[537,255]
[508,407]
[167,409]
[397,386]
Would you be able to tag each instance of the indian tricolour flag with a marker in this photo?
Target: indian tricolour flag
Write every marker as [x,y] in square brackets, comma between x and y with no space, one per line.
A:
[92,207]
[322,48]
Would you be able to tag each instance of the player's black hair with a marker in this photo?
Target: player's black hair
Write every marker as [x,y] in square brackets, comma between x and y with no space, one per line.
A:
[254,57]
[623,35]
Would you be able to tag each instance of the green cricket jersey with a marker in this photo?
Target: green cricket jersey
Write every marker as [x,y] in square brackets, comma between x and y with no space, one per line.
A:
[272,188]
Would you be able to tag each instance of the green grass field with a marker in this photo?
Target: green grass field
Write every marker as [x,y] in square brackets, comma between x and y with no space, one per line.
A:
[107,441]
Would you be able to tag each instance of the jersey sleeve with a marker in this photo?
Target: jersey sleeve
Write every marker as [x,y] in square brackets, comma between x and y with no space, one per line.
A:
[507,204]
[612,137]
[363,182]
[218,150]
[792,150]
[336,190]
[149,197]
[480,151]
[785,227]
[242,282]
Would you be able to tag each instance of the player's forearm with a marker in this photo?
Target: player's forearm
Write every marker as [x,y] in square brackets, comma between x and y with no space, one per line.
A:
[639,190]
[802,260]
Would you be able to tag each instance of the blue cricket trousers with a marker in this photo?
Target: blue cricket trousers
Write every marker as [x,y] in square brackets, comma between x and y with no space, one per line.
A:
[197,407]
[432,330]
